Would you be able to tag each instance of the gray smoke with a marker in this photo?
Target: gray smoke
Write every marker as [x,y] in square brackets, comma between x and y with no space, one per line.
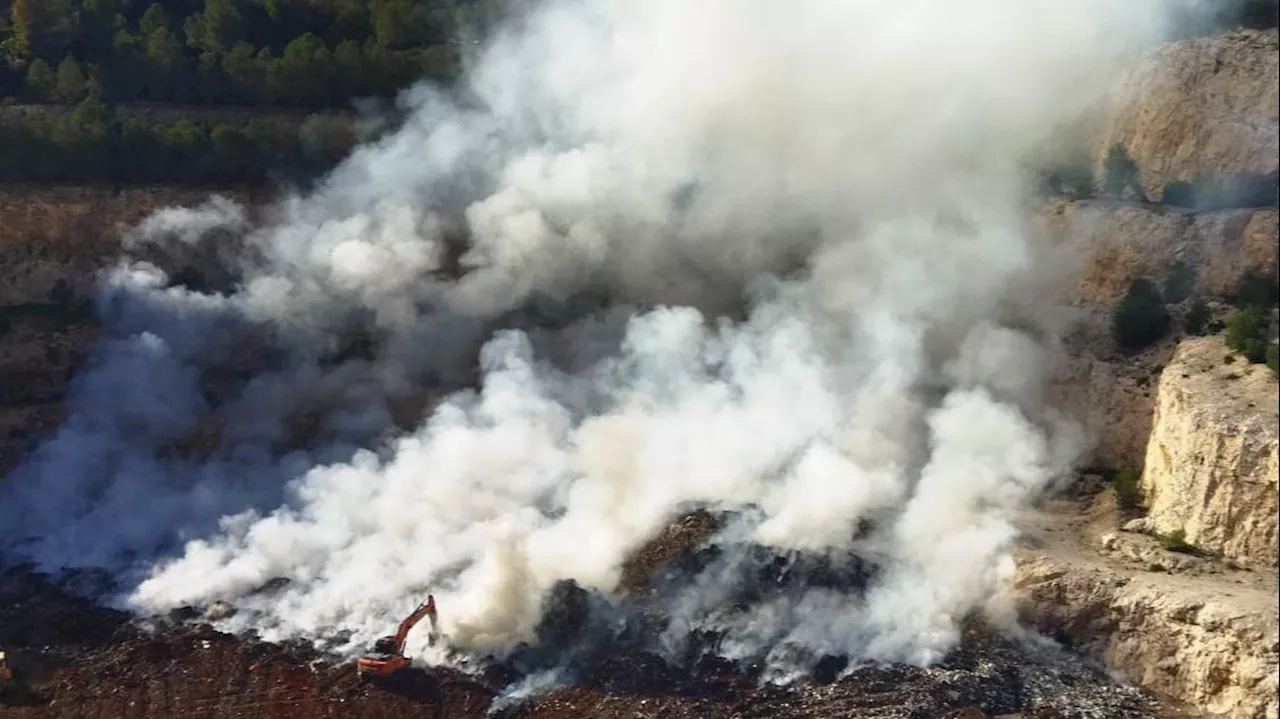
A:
[825,302]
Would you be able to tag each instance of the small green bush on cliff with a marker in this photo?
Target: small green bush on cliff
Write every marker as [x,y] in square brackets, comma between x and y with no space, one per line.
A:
[1125,484]
[1256,288]
[1245,333]
[1176,541]
[1197,319]
[1141,318]
[1073,179]
[1179,282]
[1120,175]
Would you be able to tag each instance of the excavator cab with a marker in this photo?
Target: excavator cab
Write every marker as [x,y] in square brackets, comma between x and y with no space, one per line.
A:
[387,654]
[385,645]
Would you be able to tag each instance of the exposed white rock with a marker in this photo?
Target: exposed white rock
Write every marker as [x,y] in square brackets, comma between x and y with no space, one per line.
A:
[1204,641]
[1211,466]
[1202,105]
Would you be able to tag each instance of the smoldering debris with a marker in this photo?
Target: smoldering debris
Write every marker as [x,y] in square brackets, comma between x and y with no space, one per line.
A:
[986,673]
[578,628]
[724,254]
[102,656]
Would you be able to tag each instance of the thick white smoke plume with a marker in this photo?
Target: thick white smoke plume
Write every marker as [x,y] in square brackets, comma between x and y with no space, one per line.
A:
[851,173]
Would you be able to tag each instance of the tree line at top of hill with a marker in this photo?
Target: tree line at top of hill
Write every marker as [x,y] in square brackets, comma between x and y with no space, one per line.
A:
[89,55]
[308,53]
[93,143]
[303,53]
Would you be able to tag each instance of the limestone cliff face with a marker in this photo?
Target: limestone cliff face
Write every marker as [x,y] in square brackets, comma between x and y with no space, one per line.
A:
[1199,106]
[1211,464]
[1112,244]
[1116,243]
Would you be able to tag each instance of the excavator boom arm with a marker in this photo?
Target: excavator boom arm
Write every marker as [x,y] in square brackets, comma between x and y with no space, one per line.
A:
[426,609]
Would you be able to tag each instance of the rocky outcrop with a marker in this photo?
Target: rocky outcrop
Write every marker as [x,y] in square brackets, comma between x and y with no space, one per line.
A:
[1113,401]
[1211,465]
[1210,643]
[1199,106]
[1116,243]
[1112,244]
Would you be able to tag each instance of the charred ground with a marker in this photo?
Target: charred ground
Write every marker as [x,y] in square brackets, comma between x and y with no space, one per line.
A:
[74,658]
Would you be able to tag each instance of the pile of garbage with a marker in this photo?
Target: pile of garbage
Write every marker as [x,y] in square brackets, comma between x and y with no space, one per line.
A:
[592,655]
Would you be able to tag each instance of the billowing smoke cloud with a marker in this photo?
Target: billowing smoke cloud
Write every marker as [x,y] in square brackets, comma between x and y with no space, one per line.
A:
[824,303]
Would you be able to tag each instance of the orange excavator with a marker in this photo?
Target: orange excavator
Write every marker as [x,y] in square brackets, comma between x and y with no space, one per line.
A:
[387,656]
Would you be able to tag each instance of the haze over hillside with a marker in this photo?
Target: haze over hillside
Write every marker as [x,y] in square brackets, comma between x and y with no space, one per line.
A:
[647,257]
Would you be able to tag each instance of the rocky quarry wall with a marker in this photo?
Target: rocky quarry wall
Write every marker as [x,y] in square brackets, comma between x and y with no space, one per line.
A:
[1116,243]
[1201,641]
[1201,627]
[1189,108]
[1211,468]
[1113,244]
[1199,106]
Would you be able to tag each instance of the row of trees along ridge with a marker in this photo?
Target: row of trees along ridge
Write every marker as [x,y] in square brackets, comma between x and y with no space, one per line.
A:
[312,53]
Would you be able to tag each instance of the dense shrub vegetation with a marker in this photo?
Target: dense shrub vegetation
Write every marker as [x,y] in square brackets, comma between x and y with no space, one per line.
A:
[1247,328]
[1120,175]
[1256,288]
[75,60]
[1072,179]
[1246,333]
[90,143]
[1125,483]
[312,53]
[1179,282]
[1197,319]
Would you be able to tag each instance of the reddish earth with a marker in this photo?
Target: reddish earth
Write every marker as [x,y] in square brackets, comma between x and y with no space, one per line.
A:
[76,660]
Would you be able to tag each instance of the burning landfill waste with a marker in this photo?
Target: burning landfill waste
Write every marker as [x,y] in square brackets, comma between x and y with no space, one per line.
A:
[768,259]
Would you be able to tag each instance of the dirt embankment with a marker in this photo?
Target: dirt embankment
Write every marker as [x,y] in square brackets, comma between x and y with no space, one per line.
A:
[56,239]
[68,233]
